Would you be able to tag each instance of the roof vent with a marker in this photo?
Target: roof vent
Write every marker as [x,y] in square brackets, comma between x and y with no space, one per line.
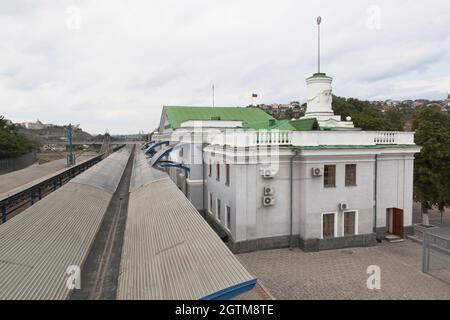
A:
[215,117]
[272,122]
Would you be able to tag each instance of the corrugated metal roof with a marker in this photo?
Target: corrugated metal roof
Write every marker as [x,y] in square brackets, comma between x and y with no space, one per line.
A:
[169,250]
[106,174]
[43,241]
[141,175]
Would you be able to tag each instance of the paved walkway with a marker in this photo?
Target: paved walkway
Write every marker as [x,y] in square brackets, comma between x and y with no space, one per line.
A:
[341,274]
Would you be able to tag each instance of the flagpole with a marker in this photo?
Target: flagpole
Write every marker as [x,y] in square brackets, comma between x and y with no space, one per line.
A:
[213,96]
[319,20]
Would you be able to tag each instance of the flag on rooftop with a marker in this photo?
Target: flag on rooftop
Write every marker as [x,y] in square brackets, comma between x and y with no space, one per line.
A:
[254,95]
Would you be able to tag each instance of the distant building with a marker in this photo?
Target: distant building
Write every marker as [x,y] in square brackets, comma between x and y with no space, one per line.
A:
[38,125]
[420,102]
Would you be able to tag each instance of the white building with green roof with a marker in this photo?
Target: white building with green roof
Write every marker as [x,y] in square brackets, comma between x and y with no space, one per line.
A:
[315,183]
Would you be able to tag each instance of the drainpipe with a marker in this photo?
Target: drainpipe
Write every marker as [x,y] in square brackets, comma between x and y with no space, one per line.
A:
[375,196]
[291,231]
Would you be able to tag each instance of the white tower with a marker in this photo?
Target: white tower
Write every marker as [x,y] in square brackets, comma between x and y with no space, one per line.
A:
[320,97]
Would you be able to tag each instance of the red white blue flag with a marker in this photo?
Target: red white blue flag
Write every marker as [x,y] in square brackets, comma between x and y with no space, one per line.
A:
[254,95]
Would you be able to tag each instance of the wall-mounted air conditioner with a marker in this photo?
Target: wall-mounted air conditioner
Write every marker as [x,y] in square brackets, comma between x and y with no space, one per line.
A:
[316,172]
[268,201]
[343,206]
[268,173]
[268,191]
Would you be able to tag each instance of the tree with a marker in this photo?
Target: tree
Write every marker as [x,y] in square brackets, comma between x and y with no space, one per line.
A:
[12,143]
[432,164]
[393,120]
[367,116]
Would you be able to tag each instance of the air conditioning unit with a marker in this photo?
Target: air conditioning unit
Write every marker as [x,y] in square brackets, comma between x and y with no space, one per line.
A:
[268,201]
[268,191]
[268,173]
[317,172]
[343,206]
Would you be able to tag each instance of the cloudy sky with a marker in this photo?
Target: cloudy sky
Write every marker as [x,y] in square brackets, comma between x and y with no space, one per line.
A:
[110,64]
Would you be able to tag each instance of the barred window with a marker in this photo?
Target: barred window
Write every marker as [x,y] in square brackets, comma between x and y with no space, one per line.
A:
[329,176]
[228,213]
[210,203]
[328,225]
[218,213]
[349,223]
[227,174]
[350,175]
[209,168]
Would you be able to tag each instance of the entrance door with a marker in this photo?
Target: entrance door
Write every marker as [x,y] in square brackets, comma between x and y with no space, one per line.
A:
[397,222]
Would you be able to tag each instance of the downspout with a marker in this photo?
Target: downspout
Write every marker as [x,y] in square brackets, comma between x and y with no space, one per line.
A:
[291,223]
[375,197]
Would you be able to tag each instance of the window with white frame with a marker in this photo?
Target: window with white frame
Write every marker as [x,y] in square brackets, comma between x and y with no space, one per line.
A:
[218,213]
[210,204]
[228,217]
[329,176]
[329,225]
[350,223]
[350,175]
[227,174]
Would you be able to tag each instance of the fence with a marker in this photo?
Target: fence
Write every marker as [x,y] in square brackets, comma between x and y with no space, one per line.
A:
[18,163]
[436,254]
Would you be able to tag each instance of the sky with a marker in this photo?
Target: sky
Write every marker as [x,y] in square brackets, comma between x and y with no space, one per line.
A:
[112,65]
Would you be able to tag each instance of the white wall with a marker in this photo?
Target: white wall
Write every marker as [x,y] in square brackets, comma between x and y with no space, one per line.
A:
[318,199]
[251,220]
[395,186]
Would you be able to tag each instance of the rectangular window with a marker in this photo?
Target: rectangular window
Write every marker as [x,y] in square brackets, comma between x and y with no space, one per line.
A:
[218,215]
[209,168]
[218,171]
[329,176]
[328,225]
[181,152]
[350,175]
[227,174]
[228,213]
[210,203]
[349,223]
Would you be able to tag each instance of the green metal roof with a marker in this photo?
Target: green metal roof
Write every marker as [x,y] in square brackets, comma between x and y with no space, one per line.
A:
[296,125]
[252,117]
